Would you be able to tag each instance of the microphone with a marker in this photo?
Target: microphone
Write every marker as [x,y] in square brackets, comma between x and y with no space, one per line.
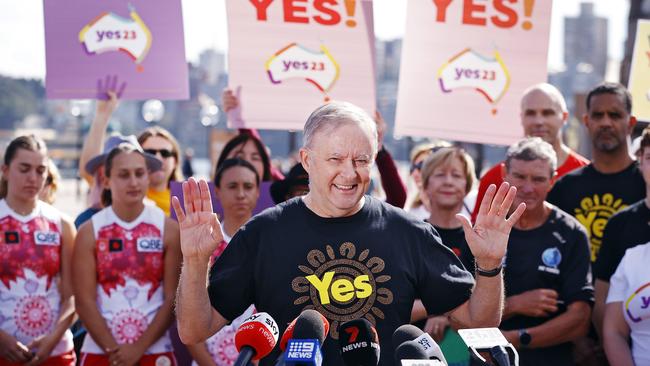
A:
[411,353]
[359,343]
[305,339]
[410,333]
[490,339]
[255,338]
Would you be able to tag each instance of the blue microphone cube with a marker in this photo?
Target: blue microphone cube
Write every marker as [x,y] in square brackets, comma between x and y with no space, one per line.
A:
[303,352]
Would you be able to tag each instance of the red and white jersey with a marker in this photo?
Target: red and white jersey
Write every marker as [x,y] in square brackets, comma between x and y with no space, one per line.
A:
[30,266]
[130,267]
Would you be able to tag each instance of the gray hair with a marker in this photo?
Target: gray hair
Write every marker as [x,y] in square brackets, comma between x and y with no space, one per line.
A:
[330,116]
[532,148]
[551,91]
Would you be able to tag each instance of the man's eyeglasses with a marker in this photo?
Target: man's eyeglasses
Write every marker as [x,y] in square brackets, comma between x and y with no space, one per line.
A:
[164,153]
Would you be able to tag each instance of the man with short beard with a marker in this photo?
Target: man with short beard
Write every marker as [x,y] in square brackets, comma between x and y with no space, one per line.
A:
[612,181]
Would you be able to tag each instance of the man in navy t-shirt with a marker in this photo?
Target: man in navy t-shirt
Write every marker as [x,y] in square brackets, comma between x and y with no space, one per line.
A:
[547,272]
[338,251]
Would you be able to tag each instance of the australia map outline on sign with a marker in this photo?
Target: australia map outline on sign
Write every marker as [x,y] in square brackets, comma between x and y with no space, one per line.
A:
[468,69]
[298,62]
[111,32]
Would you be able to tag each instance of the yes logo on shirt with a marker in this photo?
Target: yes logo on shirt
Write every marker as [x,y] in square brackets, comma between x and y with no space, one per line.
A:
[343,284]
[593,214]
[637,306]
[51,238]
[150,245]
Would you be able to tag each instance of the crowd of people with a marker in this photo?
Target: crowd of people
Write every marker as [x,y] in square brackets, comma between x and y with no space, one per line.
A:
[139,269]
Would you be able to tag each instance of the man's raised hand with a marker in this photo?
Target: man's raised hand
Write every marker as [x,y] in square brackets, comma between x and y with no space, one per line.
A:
[199,226]
[488,239]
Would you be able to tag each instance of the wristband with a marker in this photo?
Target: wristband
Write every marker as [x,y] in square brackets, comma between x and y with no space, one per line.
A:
[489,272]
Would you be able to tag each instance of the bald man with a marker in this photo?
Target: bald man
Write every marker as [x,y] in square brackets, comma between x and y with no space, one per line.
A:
[543,113]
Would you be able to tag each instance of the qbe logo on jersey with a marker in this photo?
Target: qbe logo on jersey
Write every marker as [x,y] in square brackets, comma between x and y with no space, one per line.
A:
[47,238]
[150,245]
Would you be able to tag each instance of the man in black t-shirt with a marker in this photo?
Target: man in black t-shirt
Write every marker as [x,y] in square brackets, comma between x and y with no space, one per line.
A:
[547,271]
[337,251]
[628,228]
[611,182]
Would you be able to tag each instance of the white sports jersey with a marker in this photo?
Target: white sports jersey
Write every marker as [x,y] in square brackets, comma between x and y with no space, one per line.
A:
[30,266]
[130,269]
[631,286]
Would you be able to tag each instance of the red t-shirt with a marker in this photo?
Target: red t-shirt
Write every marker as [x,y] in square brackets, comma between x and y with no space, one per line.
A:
[496,173]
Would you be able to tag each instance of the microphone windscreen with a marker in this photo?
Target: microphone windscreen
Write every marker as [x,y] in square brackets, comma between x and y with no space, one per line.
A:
[406,332]
[310,324]
[260,332]
[359,343]
[287,335]
[410,350]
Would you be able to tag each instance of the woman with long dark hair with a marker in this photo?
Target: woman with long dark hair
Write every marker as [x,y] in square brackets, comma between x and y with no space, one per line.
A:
[126,265]
[237,185]
[36,243]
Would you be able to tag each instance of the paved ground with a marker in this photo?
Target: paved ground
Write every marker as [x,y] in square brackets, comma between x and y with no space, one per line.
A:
[67,199]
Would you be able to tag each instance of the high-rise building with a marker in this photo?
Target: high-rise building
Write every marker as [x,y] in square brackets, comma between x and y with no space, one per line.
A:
[585,40]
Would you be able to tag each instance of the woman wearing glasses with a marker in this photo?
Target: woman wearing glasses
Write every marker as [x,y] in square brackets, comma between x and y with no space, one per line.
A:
[159,142]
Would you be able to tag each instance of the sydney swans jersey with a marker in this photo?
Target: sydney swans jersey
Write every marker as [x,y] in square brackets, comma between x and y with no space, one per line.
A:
[30,265]
[129,257]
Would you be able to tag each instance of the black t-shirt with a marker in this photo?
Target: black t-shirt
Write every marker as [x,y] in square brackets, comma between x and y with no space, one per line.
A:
[626,229]
[593,197]
[454,239]
[372,264]
[554,256]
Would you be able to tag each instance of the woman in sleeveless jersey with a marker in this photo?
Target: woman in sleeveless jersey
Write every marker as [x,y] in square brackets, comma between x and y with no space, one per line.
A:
[36,244]
[126,266]
[237,188]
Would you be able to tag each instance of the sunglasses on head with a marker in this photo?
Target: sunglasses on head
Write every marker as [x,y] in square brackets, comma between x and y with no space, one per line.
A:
[433,150]
[163,152]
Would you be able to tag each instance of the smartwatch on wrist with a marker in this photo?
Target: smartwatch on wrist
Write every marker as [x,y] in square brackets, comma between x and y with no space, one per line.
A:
[524,337]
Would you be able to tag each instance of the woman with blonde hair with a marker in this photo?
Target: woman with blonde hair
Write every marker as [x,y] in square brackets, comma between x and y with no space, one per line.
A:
[447,177]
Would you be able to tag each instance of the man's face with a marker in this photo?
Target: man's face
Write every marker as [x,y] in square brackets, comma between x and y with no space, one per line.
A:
[541,116]
[608,123]
[338,164]
[533,181]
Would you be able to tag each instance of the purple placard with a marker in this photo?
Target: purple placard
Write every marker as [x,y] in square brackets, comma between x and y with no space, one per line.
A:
[139,41]
[265,201]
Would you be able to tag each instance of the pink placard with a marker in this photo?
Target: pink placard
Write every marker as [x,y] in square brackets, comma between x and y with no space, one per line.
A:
[138,41]
[465,65]
[288,57]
